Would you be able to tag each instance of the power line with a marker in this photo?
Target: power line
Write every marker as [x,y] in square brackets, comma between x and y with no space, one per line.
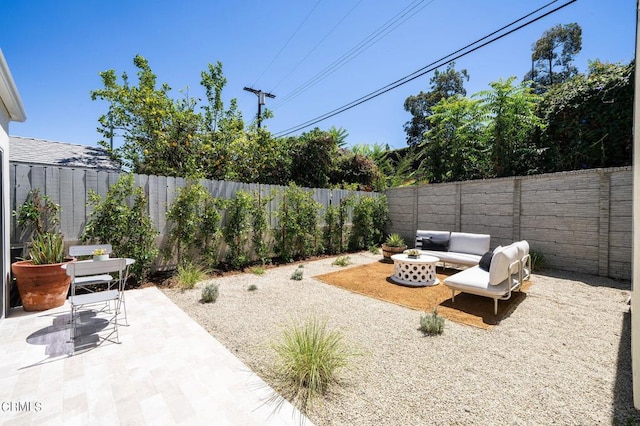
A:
[428,68]
[288,41]
[359,48]
[317,45]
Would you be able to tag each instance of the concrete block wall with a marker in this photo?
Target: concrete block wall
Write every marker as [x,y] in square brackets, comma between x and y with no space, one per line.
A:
[580,220]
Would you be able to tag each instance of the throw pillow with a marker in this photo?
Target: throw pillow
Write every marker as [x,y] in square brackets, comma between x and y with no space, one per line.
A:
[485,261]
[428,243]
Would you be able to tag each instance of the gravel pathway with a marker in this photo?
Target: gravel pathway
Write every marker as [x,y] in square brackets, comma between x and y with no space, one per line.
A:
[562,357]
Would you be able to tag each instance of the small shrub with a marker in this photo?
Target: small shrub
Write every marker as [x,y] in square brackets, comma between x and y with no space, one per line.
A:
[432,324]
[342,261]
[210,293]
[374,249]
[309,358]
[252,287]
[538,261]
[297,274]
[189,274]
[258,270]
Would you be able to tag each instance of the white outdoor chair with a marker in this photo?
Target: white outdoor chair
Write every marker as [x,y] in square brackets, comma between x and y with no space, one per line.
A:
[102,299]
[88,282]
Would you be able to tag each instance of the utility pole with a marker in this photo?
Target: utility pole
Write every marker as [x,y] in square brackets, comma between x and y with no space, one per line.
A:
[261,95]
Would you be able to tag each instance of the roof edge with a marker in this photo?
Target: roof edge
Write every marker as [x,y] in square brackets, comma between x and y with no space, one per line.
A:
[9,95]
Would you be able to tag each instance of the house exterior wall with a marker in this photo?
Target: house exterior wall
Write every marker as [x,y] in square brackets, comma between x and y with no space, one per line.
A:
[5,213]
[11,109]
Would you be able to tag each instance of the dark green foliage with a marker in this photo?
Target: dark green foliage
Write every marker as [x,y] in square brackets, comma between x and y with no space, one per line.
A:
[443,85]
[260,227]
[124,224]
[335,229]
[370,214]
[38,214]
[194,225]
[237,227]
[556,48]
[311,157]
[513,122]
[350,167]
[589,120]
[453,148]
[297,231]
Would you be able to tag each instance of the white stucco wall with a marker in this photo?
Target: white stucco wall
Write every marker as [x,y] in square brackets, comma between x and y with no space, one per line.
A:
[11,109]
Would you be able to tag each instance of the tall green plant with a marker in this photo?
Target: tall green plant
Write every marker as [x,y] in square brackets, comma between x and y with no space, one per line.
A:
[514,122]
[38,214]
[194,222]
[370,214]
[260,226]
[297,230]
[121,219]
[237,227]
[335,228]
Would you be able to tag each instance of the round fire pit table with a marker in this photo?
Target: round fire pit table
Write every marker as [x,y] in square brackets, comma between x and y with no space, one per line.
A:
[415,271]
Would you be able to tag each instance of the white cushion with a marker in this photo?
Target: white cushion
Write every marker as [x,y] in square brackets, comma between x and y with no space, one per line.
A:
[523,248]
[452,257]
[475,281]
[463,242]
[499,270]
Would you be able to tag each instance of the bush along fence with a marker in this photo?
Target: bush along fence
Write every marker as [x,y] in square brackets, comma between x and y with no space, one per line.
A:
[164,221]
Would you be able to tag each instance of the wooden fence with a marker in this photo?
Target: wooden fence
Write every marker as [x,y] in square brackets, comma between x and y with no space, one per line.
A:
[70,187]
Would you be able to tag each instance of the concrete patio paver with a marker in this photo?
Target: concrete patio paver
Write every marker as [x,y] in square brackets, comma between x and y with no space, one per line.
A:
[167,370]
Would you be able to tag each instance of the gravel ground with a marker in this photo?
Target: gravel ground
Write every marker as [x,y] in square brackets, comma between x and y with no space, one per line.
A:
[562,357]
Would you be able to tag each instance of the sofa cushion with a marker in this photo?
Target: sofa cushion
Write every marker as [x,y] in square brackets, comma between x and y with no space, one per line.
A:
[485,261]
[432,240]
[499,270]
[476,281]
[453,258]
[463,242]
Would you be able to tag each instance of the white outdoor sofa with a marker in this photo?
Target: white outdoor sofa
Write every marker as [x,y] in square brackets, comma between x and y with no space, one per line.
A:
[509,267]
[459,248]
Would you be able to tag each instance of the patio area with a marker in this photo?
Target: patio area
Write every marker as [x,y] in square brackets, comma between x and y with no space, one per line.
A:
[167,370]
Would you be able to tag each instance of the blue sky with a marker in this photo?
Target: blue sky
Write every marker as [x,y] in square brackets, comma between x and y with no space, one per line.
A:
[55,50]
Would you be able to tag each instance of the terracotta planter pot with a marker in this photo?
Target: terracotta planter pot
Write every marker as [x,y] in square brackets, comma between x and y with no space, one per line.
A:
[388,251]
[41,287]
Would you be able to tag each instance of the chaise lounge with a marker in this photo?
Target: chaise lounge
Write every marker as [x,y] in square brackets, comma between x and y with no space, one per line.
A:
[498,274]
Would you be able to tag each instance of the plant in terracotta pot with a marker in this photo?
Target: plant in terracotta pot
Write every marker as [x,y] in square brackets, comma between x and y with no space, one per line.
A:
[42,283]
[394,244]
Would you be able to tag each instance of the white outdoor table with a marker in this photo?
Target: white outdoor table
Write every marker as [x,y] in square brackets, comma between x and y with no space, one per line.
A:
[415,272]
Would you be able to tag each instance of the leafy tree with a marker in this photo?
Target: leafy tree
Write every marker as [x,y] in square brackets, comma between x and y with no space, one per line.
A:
[161,135]
[589,119]
[312,156]
[454,149]
[443,85]
[556,48]
[513,121]
[350,167]
[258,157]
